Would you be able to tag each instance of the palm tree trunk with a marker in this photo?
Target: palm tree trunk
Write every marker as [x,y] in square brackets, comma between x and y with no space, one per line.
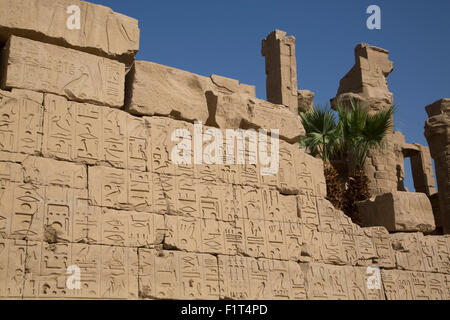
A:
[357,190]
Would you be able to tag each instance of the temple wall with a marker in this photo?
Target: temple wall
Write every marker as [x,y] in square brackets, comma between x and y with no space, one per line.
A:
[89,178]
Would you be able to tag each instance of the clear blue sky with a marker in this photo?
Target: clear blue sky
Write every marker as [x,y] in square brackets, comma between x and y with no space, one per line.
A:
[224,37]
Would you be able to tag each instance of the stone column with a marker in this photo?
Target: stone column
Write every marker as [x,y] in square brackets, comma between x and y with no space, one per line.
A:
[281,69]
[437,132]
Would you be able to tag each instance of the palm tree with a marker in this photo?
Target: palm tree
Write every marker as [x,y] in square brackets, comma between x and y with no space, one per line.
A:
[361,132]
[322,135]
[356,132]
[323,139]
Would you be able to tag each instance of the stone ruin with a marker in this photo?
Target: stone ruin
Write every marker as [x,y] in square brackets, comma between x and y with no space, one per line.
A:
[87,178]
[392,206]
[437,133]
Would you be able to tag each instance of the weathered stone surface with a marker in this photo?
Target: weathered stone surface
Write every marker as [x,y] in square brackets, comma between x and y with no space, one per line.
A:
[27,210]
[366,81]
[43,171]
[109,272]
[37,97]
[281,69]
[20,124]
[101,32]
[408,251]
[398,212]
[438,137]
[120,189]
[305,101]
[232,86]
[47,68]
[86,185]
[91,134]
[240,111]
[160,90]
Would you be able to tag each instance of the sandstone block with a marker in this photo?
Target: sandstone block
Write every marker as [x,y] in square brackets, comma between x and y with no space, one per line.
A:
[37,97]
[102,31]
[398,211]
[47,68]
[408,251]
[38,213]
[326,282]
[357,280]
[131,229]
[20,124]
[43,171]
[177,275]
[239,111]
[10,172]
[87,133]
[398,285]
[42,269]
[120,189]
[260,279]
[161,90]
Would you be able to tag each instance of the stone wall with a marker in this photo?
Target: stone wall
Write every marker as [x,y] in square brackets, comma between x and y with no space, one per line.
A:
[88,179]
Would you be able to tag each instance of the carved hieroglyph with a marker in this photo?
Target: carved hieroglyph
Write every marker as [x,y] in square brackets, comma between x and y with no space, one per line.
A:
[20,124]
[281,69]
[101,31]
[79,76]
[189,234]
[87,133]
[398,212]
[89,186]
[366,82]
[438,137]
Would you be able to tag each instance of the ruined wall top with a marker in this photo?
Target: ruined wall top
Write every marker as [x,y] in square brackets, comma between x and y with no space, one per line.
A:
[103,31]
[439,107]
[366,82]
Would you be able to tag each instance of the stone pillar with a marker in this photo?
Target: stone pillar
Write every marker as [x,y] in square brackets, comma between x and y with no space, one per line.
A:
[281,69]
[437,132]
